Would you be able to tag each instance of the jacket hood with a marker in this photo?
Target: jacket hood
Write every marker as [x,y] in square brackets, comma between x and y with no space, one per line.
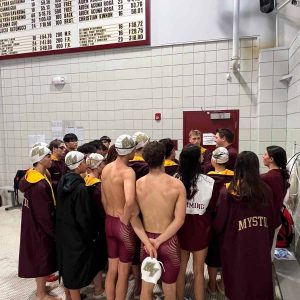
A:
[71,181]
[24,185]
[89,180]
[137,158]
[170,163]
[31,177]
[221,178]
[140,168]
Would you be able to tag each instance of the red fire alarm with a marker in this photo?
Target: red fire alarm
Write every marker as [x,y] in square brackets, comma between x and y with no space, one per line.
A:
[157,116]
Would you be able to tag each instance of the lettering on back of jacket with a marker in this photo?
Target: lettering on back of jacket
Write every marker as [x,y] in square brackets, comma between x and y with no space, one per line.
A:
[256,221]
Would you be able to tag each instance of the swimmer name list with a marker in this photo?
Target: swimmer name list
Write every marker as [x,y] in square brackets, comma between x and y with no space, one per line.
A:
[70,24]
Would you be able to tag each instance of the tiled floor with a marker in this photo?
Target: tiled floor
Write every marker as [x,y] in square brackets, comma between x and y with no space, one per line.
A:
[14,288]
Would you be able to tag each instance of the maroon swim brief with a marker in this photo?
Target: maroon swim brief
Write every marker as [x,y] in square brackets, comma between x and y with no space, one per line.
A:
[169,254]
[121,239]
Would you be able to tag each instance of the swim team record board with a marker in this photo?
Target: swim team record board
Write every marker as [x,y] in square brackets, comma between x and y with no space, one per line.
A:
[42,27]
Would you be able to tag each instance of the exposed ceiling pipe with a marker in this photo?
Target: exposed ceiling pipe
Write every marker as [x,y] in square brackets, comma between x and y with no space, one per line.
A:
[279,7]
[235,66]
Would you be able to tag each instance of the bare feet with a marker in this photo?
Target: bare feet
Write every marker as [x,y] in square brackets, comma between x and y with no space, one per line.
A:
[137,289]
[51,287]
[212,288]
[48,297]
[99,292]
[99,295]
[67,296]
[220,287]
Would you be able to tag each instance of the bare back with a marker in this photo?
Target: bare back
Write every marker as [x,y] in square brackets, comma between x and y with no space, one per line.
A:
[118,184]
[157,196]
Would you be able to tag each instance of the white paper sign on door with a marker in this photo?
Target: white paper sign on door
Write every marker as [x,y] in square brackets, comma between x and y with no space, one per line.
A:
[208,139]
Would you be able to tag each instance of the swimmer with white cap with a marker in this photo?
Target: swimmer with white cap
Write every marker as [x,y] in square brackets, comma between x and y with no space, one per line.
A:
[141,169]
[37,241]
[118,198]
[161,200]
[92,180]
[138,163]
[75,225]
[222,176]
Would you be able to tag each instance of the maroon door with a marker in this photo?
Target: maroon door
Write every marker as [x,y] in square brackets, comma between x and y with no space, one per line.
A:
[209,121]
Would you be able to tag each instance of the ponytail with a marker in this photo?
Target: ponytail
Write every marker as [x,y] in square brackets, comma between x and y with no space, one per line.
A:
[187,172]
[286,176]
[279,157]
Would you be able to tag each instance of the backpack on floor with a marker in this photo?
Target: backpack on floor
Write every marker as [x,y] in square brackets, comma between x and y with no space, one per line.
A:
[286,232]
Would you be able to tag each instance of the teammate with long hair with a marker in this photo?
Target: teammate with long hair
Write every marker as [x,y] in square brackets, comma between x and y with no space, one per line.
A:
[277,179]
[245,222]
[195,233]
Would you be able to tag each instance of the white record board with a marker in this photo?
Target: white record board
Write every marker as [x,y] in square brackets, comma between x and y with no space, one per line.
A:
[39,27]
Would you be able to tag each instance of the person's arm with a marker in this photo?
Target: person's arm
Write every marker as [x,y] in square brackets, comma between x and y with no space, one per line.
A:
[43,207]
[232,158]
[222,211]
[140,232]
[206,163]
[129,192]
[179,216]
[103,184]
[83,212]
[103,199]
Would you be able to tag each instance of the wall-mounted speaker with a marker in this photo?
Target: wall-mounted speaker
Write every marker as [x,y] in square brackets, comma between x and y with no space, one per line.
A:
[266,6]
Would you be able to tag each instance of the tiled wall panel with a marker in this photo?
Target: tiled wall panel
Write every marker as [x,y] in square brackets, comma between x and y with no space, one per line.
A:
[117,91]
[272,98]
[293,116]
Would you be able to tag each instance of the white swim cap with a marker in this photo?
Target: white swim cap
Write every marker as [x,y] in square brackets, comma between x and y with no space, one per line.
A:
[40,144]
[94,160]
[124,144]
[220,155]
[73,159]
[151,270]
[141,139]
[37,153]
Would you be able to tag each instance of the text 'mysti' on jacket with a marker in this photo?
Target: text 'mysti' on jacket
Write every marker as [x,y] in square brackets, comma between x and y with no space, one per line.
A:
[246,236]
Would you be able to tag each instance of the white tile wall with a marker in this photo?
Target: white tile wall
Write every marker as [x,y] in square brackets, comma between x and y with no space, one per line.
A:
[116,91]
[272,97]
[3,173]
[293,95]
[292,141]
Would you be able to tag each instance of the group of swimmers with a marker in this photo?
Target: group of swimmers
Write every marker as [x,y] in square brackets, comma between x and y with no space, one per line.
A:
[124,203]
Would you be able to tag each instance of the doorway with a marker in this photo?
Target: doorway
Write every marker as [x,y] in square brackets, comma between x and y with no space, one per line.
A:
[208,122]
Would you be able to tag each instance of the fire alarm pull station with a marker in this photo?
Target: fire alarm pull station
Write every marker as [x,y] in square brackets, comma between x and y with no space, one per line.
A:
[157,116]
